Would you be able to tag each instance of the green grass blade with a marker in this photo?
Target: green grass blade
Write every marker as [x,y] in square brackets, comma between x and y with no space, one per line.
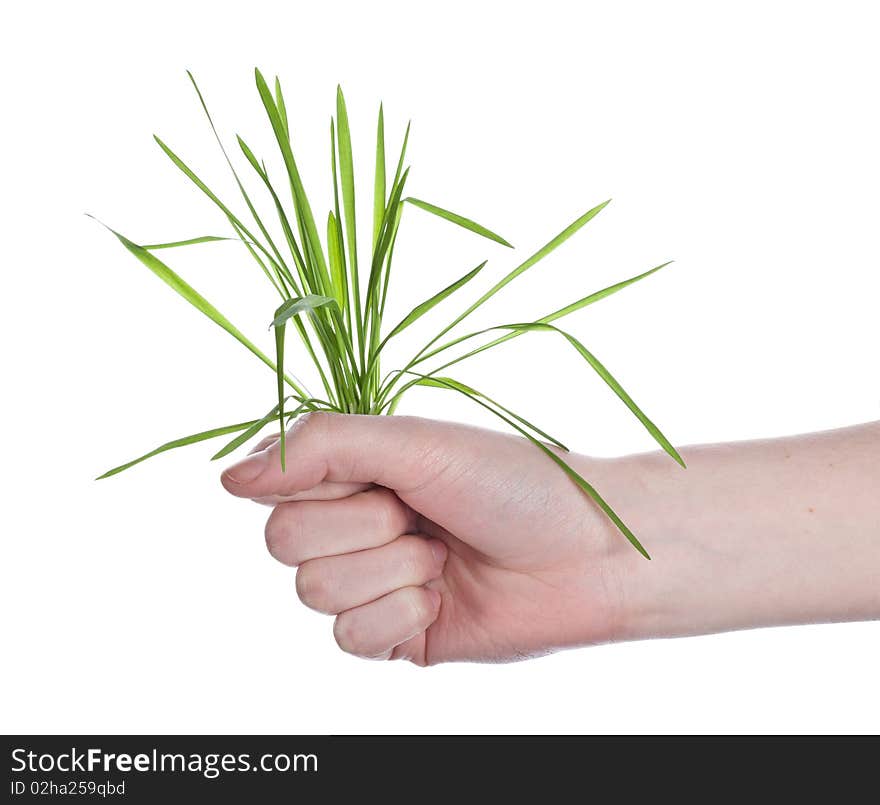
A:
[460,220]
[570,472]
[278,264]
[599,295]
[609,379]
[336,260]
[190,242]
[248,237]
[379,183]
[371,298]
[259,424]
[539,255]
[293,307]
[448,382]
[281,106]
[346,174]
[399,171]
[592,492]
[309,232]
[419,310]
[191,175]
[515,332]
[557,314]
[255,427]
[279,362]
[182,442]
[307,278]
[194,298]
[387,276]
[337,214]
[282,216]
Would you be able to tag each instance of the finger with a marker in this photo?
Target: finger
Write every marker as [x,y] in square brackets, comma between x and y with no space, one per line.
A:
[300,531]
[333,584]
[401,453]
[375,629]
[326,490]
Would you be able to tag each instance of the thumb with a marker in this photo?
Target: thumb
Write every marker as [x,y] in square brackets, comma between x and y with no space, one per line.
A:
[401,453]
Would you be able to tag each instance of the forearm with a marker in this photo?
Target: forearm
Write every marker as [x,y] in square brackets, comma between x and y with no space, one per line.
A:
[758,533]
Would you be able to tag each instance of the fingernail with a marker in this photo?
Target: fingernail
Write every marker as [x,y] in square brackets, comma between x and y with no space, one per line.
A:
[259,448]
[438,548]
[249,469]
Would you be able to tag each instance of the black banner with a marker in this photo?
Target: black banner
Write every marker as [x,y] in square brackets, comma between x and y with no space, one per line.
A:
[274,769]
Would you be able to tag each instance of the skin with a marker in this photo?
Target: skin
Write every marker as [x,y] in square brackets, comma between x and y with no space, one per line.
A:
[434,542]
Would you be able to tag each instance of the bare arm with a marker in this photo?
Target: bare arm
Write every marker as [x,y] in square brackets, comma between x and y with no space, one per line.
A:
[777,531]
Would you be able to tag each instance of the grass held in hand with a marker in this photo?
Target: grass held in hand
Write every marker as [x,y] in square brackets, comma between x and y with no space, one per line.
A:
[334,299]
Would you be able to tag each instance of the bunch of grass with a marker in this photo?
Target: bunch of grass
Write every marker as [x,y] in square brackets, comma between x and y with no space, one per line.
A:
[336,304]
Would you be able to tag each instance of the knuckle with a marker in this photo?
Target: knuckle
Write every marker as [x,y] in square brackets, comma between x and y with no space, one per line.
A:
[418,610]
[416,561]
[382,515]
[389,513]
[311,422]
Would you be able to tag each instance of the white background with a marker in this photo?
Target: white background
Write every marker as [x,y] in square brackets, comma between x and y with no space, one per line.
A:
[738,139]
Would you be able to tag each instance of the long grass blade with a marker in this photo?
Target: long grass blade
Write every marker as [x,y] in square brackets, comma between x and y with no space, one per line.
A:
[247,236]
[346,175]
[371,298]
[419,310]
[306,275]
[570,472]
[448,382]
[387,276]
[337,215]
[279,362]
[400,160]
[336,260]
[379,182]
[282,216]
[282,108]
[195,299]
[599,295]
[592,492]
[151,247]
[308,230]
[182,442]
[282,273]
[556,314]
[293,307]
[255,427]
[460,220]
[609,379]
[539,255]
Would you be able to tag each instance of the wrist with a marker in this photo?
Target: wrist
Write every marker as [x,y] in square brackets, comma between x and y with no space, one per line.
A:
[654,598]
[639,598]
[705,573]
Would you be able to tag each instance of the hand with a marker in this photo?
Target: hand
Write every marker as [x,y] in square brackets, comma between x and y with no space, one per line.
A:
[433,541]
